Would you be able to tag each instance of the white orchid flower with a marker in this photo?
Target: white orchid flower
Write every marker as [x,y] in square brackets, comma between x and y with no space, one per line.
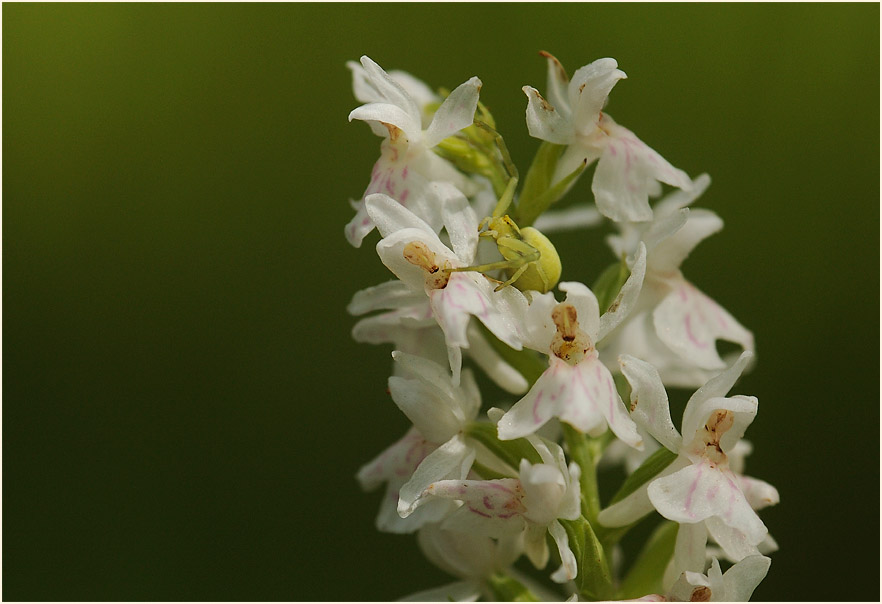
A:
[577,387]
[675,326]
[415,254]
[407,165]
[628,171]
[434,449]
[471,558]
[699,490]
[529,505]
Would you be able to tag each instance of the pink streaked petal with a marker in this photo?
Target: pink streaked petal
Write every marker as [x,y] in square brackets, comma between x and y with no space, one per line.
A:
[490,507]
[690,323]
[469,294]
[594,402]
[628,173]
[397,462]
[701,491]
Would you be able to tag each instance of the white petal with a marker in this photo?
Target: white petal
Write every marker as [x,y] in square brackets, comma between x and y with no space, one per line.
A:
[701,491]
[455,113]
[589,89]
[388,88]
[465,555]
[744,577]
[421,94]
[568,219]
[684,587]
[736,544]
[386,113]
[742,407]
[557,83]
[585,303]
[576,154]
[449,462]
[689,552]
[536,545]
[662,227]
[399,325]
[534,409]
[690,323]
[681,198]
[359,227]
[391,294]
[716,387]
[637,504]
[759,493]
[649,402]
[670,252]
[544,122]
[568,568]
[460,591]
[627,298]
[539,328]
[389,216]
[497,369]
[459,220]
[435,412]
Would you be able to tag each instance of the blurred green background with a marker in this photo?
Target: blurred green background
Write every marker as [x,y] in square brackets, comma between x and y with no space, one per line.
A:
[183,407]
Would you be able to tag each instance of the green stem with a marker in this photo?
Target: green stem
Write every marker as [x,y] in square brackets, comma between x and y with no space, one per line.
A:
[581,452]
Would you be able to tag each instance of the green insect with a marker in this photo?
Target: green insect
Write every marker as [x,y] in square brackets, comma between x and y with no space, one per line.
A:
[531,262]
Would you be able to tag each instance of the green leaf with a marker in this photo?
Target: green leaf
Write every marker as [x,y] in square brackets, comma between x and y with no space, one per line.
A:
[486,473]
[646,574]
[609,283]
[541,170]
[651,467]
[507,589]
[593,580]
[509,451]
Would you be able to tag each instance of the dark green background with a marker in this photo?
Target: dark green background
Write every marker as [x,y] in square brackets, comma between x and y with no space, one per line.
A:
[183,408]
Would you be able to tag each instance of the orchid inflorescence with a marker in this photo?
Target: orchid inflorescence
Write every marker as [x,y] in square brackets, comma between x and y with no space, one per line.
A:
[474,278]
